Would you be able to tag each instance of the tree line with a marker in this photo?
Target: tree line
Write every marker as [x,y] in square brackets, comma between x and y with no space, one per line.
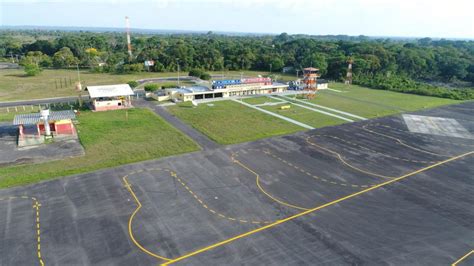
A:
[409,65]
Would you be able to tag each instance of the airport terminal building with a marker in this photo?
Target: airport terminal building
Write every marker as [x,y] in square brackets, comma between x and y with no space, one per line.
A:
[224,89]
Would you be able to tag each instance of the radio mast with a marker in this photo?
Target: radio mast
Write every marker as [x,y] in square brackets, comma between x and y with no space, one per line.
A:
[349,72]
[129,44]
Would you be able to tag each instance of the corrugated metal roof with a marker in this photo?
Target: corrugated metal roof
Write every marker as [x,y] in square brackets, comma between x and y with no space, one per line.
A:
[109,90]
[34,118]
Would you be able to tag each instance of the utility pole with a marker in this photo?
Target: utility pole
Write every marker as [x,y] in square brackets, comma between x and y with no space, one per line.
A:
[79,86]
[177,62]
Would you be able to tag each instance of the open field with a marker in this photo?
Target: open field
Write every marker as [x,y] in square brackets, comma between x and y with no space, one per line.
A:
[109,139]
[14,85]
[227,122]
[306,116]
[259,100]
[362,193]
[375,103]
[7,116]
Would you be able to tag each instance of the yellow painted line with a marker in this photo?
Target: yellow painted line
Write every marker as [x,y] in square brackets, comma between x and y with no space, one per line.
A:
[309,174]
[36,206]
[130,221]
[263,190]
[425,137]
[346,163]
[374,151]
[463,258]
[364,127]
[221,243]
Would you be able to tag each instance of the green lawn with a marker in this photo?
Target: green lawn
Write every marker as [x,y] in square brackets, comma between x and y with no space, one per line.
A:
[8,113]
[374,103]
[306,116]
[14,85]
[109,140]
[259,100]
[229,122]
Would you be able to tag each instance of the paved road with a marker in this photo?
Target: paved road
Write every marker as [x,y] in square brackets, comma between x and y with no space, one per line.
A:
[201,139]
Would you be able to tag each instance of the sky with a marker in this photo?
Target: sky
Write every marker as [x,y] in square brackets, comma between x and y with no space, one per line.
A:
[404,18]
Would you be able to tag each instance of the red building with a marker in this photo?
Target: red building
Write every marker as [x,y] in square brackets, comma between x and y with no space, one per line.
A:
[32,128]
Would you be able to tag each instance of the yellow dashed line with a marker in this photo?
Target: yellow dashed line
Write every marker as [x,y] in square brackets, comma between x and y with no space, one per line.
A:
[312,210]
[36,205]
[308,173]
[339,156]
[399,141]
[425,137]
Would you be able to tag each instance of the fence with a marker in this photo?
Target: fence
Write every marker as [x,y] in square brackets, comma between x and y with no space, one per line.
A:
[36,107]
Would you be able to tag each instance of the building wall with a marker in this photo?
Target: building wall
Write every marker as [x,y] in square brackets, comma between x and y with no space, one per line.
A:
[322,86]
[108,105]
[229,92]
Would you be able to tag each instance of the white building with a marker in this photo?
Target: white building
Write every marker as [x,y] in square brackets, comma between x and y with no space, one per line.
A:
[110,97]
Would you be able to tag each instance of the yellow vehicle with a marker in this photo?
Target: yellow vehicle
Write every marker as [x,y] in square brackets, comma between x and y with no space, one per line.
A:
[284,107]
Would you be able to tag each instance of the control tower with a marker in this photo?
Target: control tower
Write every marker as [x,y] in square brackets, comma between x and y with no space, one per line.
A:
[310,80]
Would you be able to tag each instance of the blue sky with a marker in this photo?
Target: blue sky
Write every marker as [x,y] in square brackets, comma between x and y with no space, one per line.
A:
[412,18]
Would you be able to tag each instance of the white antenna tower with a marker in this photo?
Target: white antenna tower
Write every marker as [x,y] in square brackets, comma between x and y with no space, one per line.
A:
[129,43]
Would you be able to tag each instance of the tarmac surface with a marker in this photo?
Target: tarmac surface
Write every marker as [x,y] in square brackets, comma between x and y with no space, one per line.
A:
[369,192]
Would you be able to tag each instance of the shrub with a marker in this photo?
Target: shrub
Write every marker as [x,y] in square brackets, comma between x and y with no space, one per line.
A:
[196,72]
[407,85]
[205,76]
[133,83]
[167,86]
[32,69]
[151,87]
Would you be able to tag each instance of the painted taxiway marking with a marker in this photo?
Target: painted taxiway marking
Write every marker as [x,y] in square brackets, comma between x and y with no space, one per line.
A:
[341,159]
[401,142]
[372,150]
[418,135]
[232,239]
[312,175]
[463,258]
[36,206]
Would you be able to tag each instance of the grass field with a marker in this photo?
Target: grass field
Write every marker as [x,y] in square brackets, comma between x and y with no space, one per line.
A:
[259,100]
[7,116]
[109,140]
[14,85]
[306,116]
[373,103]
[228,122]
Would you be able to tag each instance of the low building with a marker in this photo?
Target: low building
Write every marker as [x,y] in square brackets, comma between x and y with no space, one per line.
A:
[298,84]
[33,128]
[224,89]
[322,84]
[110,97]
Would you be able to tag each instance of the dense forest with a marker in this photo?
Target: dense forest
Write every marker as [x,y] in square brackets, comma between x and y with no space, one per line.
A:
[421,66]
